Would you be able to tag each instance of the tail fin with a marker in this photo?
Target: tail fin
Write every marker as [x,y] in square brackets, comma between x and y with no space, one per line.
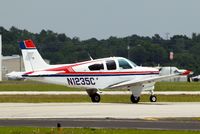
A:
[31,57]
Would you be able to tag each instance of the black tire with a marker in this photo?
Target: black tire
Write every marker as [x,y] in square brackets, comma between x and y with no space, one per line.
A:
[153,98]
[95,97]
[196,79]
[135,99]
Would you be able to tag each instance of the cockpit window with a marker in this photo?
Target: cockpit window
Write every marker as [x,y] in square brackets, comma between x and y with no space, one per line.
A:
[123,64]
[96,67]
[111,65]
[132,63]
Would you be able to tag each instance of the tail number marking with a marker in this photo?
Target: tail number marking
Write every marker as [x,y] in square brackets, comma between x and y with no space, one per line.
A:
[81,81]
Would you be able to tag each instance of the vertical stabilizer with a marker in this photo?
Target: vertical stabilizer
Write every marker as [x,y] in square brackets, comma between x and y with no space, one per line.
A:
[31,57]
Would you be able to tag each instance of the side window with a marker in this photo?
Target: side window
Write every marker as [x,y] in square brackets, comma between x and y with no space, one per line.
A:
[96,67]
[111,65]
[124,64]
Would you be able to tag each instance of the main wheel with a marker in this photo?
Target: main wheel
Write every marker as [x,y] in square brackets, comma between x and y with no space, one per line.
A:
[95,97]
[135,99]
[153,98]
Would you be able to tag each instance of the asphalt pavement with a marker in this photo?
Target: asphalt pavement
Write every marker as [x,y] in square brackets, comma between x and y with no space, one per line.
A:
[105,123]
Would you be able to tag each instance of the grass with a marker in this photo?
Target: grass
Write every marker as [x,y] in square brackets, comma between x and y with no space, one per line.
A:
[31,130]
[85,98]
[36,86]
[177,86]
[32,86]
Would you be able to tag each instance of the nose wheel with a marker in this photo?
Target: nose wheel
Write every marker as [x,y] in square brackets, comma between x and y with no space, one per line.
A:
[153,98]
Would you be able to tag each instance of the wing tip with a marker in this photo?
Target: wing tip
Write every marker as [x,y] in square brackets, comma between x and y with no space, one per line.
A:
[187,72]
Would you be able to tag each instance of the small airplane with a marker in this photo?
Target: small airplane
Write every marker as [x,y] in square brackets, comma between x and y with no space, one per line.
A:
[94,75]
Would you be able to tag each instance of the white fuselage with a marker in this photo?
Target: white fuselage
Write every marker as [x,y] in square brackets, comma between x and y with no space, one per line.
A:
[95,74]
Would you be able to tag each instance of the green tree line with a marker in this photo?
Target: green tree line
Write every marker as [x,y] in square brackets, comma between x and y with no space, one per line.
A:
[145,51]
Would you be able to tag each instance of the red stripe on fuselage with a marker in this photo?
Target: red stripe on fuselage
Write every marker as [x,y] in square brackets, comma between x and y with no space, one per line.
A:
[112,73]
[68,69]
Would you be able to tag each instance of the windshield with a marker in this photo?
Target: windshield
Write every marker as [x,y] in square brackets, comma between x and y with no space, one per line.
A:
[123,64]
[132,63]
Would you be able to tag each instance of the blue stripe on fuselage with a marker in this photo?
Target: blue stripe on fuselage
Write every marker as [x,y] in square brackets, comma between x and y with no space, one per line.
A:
[85,75]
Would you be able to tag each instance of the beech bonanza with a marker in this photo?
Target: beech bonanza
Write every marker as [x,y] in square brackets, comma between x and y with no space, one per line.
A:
[94,75]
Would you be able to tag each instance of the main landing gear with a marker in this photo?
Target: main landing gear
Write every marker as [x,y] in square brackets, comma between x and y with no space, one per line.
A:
[135,99]
[95,97]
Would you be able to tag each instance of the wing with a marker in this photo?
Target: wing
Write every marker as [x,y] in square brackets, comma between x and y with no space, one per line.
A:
[135,82]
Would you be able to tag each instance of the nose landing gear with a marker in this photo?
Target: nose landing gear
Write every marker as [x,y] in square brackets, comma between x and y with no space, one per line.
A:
[153,98]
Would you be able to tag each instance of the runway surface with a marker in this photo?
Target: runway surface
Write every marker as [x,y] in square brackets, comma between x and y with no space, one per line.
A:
[101,115]
[103,93]
[105,123]
[99,110]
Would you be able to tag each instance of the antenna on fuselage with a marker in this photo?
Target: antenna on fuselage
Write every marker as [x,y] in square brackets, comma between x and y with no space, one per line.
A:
[90,56]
